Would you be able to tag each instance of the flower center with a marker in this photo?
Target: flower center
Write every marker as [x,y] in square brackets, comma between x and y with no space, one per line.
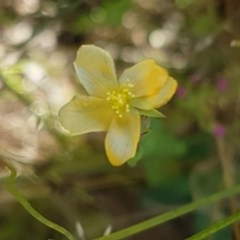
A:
[119,99]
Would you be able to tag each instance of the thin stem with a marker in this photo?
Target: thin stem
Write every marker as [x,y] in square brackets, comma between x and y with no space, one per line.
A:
[27,100]
[11,188]
[142,226]
[226,159]
[216,227]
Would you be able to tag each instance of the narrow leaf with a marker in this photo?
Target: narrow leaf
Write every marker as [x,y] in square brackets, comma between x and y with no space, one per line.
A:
[151,113]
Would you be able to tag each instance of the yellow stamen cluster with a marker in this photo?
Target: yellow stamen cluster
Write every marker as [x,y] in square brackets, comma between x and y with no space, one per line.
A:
[119,99]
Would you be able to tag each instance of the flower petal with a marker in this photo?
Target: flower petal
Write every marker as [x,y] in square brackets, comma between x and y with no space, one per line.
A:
[146,76]
[85,114]
[156,100]
[122,138]
[95,69]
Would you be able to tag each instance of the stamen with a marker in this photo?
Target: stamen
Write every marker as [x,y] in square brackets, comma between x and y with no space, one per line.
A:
[119,99]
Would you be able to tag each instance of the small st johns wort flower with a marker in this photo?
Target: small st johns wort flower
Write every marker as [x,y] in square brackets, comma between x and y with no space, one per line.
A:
[115,105]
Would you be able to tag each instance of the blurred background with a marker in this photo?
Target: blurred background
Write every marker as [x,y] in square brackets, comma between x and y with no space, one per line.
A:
[188,155]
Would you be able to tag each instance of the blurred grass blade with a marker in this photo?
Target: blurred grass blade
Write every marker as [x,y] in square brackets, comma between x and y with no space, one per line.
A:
[216,227]
[142,226]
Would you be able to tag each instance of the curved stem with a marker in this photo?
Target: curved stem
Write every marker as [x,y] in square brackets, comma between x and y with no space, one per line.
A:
[21,199]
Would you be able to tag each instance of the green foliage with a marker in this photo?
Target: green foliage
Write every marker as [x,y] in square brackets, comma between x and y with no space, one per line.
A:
[182,158]
[114,11]
[161,151]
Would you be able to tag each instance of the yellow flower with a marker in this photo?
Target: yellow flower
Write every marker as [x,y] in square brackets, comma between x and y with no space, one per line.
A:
[112,105]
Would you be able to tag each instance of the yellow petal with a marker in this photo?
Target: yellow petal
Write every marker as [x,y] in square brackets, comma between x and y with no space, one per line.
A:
[146,76]
[85,114]
[122,138]
[95,69]
[156,100]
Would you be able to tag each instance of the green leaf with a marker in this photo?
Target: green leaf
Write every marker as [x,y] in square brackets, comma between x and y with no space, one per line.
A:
[140,151]
[145,125]
[152,113]
[133,161]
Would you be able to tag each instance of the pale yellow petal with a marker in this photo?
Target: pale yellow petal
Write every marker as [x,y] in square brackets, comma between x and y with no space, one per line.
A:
[122,138]
[156,100]
[95,69]
[85,114]
[146,76]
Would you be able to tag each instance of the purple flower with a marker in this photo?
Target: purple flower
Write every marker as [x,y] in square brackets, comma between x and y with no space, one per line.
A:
[219,130]
[195,78]
[222,85]
[181,92]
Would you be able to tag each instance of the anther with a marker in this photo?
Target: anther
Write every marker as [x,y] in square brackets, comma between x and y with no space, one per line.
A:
[119,99]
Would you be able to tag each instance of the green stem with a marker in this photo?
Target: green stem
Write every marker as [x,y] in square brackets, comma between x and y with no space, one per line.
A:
[142,226]
[11,188]
[216,227]
[27,100]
